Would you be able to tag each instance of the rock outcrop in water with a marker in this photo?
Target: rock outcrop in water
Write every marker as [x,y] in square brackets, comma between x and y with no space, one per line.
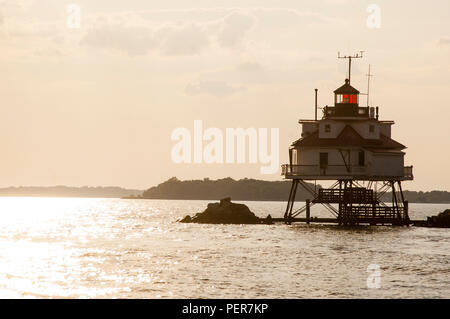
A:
[442,220]
[224,212]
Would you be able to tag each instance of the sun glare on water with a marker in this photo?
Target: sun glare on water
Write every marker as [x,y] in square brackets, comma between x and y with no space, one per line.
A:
[41,250]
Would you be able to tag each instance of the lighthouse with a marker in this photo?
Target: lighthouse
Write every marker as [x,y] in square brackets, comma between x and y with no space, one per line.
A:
[351,147]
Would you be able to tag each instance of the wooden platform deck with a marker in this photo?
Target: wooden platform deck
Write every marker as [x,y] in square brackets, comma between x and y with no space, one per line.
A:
[361,221]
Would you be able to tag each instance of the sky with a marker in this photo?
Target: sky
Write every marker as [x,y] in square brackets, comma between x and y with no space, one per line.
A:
[96,103]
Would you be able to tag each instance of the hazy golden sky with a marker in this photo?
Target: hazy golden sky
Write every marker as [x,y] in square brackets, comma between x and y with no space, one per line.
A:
[96,105]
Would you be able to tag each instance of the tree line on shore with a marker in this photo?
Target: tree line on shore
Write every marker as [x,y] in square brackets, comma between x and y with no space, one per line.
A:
[206,189]
[253,189]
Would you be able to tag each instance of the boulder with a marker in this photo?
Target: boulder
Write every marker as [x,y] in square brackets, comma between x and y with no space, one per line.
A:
[445,214]
[268,220]
[224,212]
[186,219]
[442,220]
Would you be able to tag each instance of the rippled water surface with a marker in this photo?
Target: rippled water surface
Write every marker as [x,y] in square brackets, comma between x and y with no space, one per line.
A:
[113,248]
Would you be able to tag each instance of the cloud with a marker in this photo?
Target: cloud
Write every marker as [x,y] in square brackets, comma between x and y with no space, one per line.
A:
[444,41]
[250,67]
[170,38]
[215,88]
[187,39]
[48,52]
[132,40]
[234,28]
[180,39]
[180,32]
[286,18]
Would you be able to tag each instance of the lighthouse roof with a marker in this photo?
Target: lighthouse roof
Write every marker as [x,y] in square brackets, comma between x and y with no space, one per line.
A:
[349,137]
[346,88]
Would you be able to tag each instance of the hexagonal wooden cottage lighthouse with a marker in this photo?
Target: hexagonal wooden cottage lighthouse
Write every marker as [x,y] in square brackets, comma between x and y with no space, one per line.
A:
[351,146]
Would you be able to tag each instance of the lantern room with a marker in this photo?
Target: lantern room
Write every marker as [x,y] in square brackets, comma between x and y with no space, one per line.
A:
[346,94]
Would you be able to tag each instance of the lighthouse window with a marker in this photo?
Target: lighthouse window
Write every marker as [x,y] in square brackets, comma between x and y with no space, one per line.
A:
[323,159]
[361,158]
[347,98]
[327,128]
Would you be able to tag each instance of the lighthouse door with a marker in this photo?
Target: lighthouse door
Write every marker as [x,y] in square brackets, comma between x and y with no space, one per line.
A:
[323,159]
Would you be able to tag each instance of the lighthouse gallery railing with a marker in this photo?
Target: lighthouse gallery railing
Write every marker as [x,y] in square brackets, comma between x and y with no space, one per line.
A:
[334,170]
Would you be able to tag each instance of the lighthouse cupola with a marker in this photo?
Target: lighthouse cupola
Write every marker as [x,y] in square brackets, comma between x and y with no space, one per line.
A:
[346,95]
[346,103]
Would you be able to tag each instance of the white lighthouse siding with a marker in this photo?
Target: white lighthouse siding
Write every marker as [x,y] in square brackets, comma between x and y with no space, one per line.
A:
[335,128]
[312,156]
[375,163]
[308,128]
[385,129]
[308,160]
[363,129]
[388,164]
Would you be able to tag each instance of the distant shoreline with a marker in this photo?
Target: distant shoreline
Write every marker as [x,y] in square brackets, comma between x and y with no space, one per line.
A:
[61,196]
[170,199]
[68,191]
[206,189]
[258,190]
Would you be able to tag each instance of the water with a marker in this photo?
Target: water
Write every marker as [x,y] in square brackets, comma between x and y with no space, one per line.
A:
[113,248]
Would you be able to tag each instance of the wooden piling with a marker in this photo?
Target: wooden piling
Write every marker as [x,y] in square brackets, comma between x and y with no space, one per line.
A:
[308,212]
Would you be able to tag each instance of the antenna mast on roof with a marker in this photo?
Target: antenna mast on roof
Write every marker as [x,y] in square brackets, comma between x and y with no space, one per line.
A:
[350,57]
[368,84]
